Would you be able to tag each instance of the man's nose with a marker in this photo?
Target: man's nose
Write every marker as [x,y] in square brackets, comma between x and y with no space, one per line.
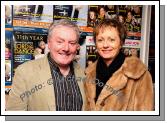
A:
[66,47]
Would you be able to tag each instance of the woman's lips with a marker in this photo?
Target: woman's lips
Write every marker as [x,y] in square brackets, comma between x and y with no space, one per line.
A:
[106,51]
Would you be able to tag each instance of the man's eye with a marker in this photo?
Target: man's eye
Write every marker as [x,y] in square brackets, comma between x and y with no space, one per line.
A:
[72,43]
[59,42]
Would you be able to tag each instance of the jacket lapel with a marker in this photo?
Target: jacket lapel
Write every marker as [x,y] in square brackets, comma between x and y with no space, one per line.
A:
[45,77]
[112,87]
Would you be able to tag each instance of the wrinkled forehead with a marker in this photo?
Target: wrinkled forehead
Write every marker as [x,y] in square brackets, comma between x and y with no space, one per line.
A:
[64,28]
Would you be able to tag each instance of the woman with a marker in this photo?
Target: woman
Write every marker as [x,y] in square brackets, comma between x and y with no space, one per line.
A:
[130,21]
[40,50]
[102,13]
[92,20]
[113,82]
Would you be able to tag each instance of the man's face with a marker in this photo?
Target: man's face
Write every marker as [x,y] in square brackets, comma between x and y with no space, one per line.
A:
[63,45]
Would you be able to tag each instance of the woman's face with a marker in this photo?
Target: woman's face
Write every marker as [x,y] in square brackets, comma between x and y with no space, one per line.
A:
[129,16]
[92,15]
[42,45]
[121,19]
[102,12]
[134,52]
[126,52]
[137,9]
[108,43]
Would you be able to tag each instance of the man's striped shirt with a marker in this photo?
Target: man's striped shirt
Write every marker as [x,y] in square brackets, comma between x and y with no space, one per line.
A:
[67,93]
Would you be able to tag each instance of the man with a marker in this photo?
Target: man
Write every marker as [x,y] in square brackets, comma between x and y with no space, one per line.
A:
[50,83]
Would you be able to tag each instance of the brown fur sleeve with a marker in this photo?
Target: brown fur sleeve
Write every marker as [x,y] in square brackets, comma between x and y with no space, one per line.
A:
[144,100]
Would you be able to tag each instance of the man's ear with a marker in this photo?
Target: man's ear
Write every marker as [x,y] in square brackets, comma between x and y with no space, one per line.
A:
[78,47]
[48,42]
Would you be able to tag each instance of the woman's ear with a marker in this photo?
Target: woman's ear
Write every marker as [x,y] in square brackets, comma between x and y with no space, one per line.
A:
[121,44]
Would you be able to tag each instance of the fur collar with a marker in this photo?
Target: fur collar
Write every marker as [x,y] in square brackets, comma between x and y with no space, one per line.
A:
[132,67]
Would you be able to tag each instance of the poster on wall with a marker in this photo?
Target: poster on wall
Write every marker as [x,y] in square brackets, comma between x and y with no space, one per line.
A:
[131,51]
[8,16]
[132,43]
[75,13]
[133,22]
[91,53]
[8,43]
[8,59]
[129,15]
[8,76]
[97,13]
[81,56]
[39,16]
[29,44]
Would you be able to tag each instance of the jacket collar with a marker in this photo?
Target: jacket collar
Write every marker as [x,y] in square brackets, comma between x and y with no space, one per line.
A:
[127,67]
[133,67]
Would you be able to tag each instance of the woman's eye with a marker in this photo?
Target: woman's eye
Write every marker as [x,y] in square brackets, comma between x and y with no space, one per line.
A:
[112,40]
[99,40]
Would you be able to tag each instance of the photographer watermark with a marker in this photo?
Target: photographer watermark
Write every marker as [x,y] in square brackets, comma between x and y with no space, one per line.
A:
[38,87]
[35,89]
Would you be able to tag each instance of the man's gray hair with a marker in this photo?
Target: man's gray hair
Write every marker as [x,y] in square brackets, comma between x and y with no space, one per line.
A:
[63,22]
